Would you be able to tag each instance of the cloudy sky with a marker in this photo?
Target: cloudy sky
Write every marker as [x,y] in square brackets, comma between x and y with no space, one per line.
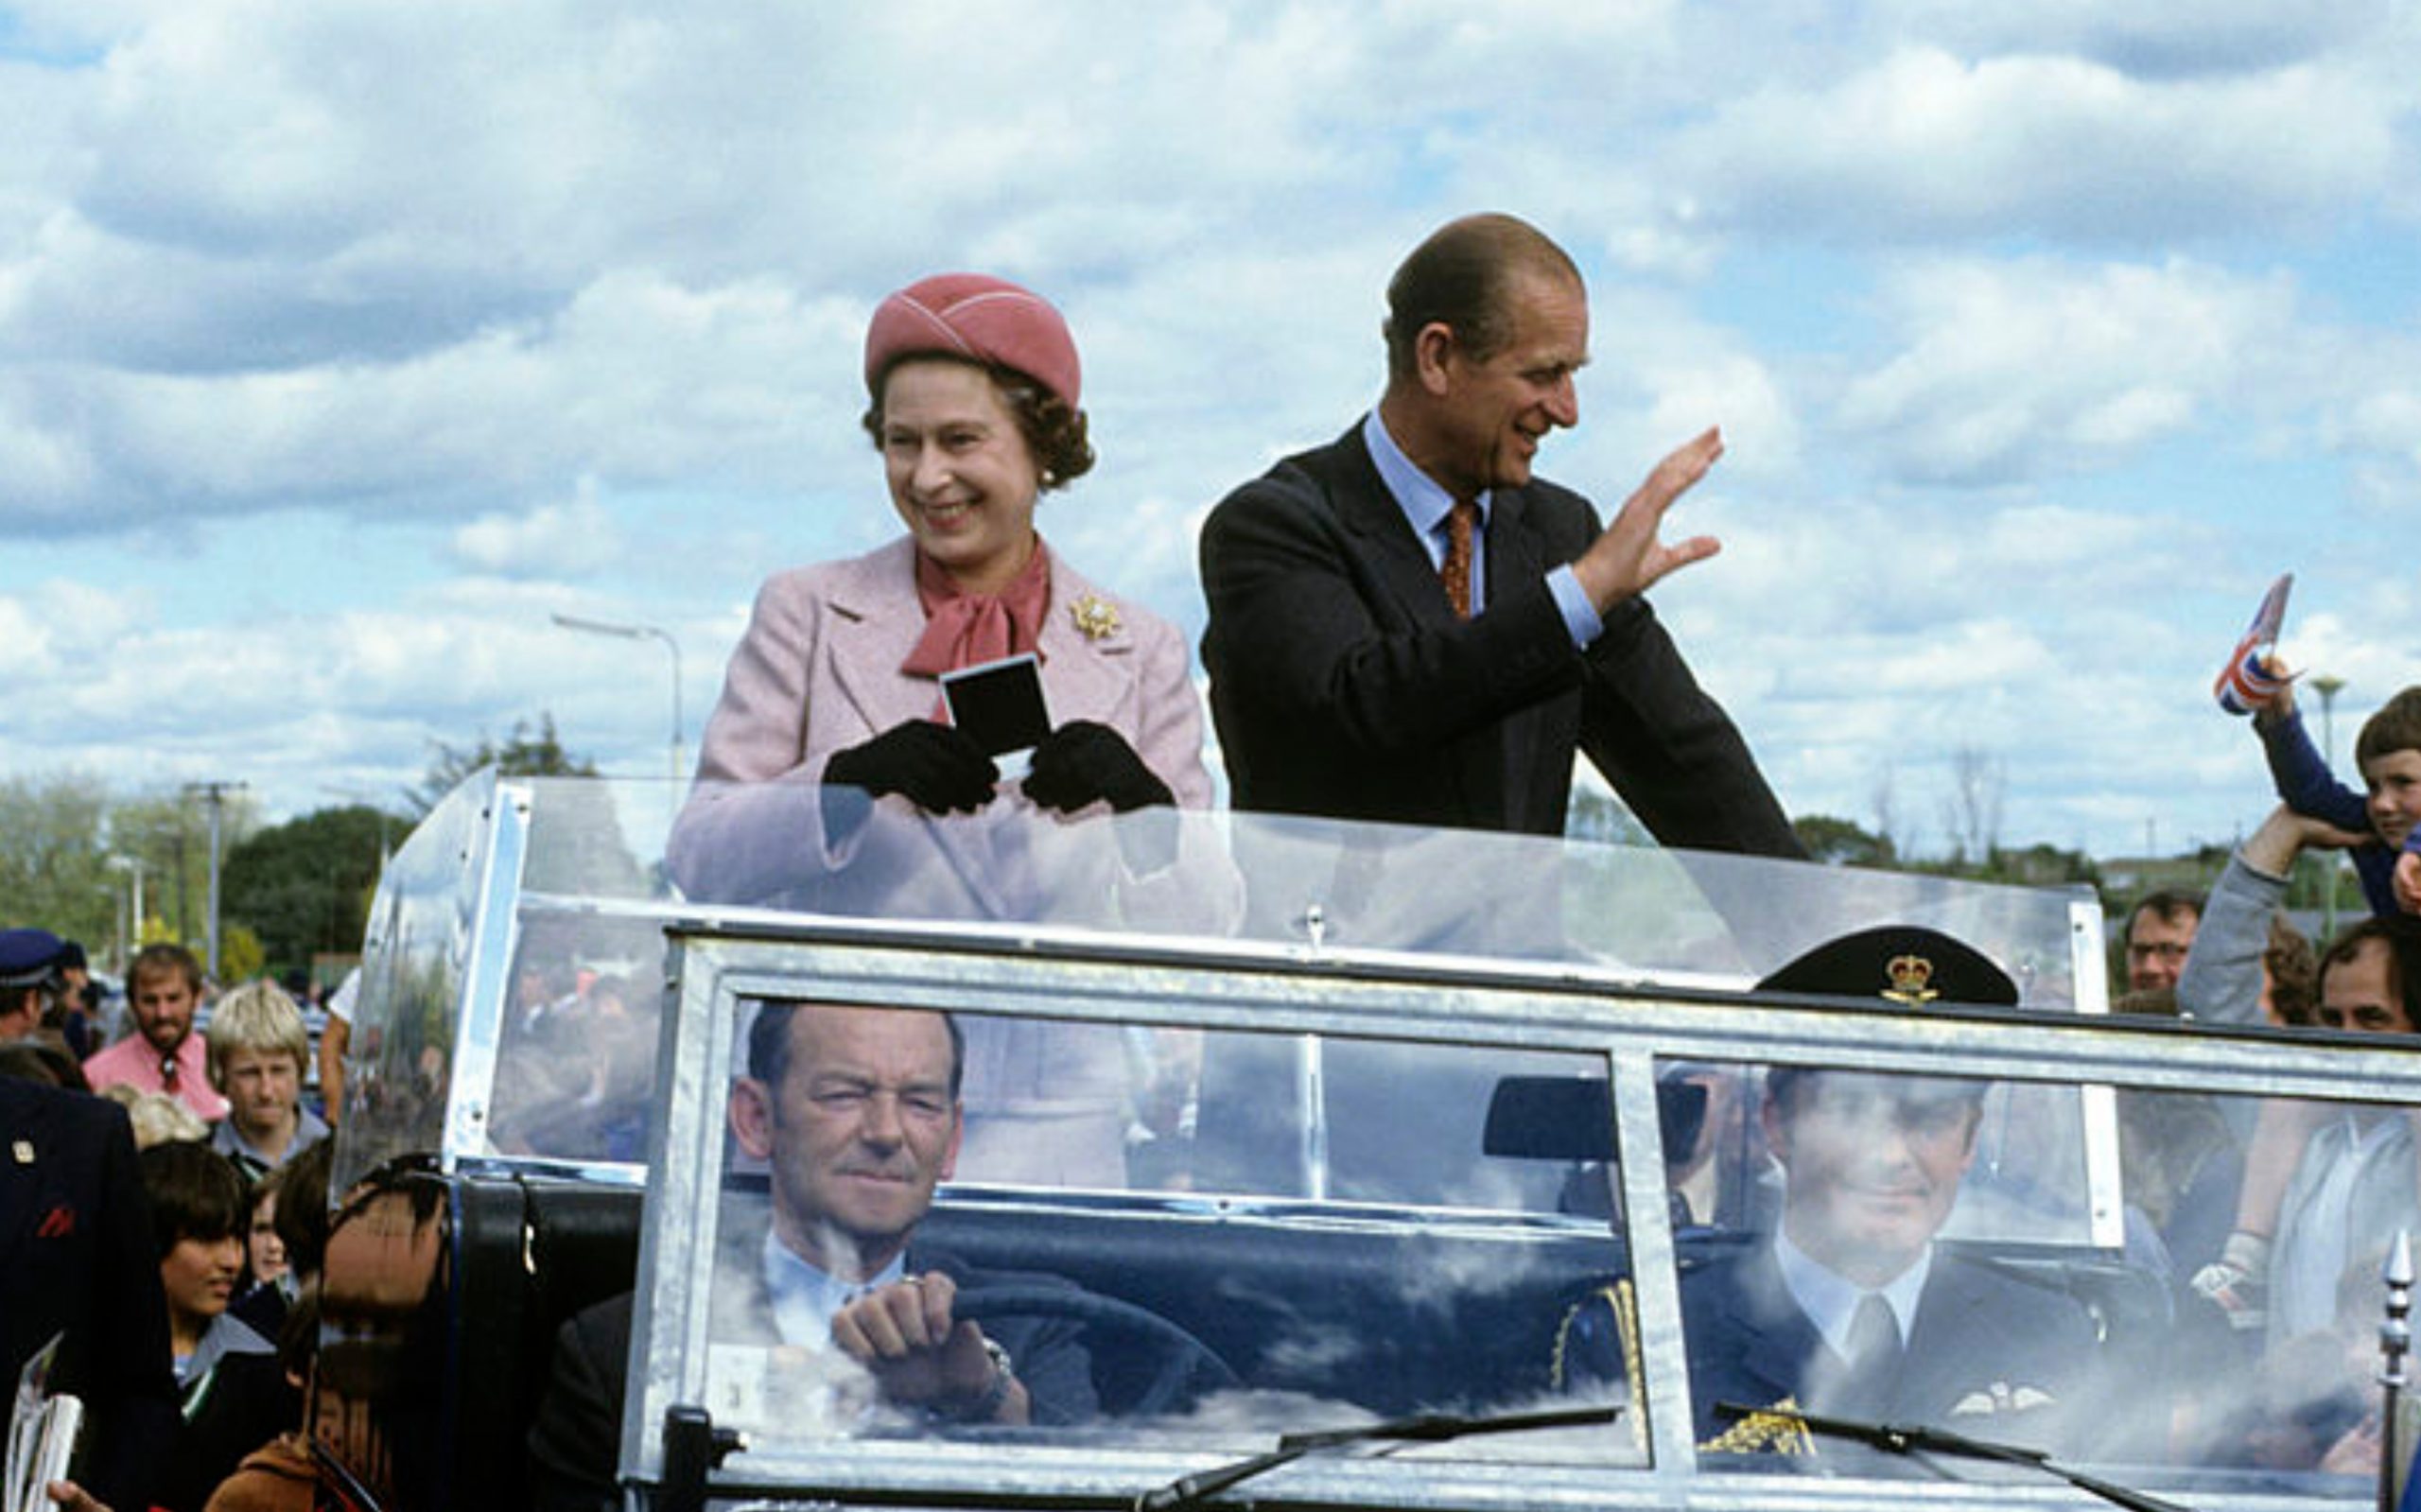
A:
[342,342]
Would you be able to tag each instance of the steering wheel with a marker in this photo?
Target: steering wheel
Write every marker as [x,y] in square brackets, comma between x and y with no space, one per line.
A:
[1182,1357]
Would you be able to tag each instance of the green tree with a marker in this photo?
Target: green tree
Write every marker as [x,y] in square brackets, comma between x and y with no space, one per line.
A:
[522,754]
[170,836]
[239,953]
[304,886]
[1840,842]
[54,866]
[60,835]
[2042,866]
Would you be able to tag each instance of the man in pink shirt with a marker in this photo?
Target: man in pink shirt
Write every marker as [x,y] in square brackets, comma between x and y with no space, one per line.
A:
[165,1055]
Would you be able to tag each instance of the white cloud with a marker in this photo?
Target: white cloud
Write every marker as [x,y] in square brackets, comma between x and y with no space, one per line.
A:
[1925,144]
[566,540]
[2018,370]
[2155,38]
[635,380]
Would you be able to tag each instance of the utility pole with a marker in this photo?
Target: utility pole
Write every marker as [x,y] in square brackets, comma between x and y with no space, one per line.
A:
[215,794]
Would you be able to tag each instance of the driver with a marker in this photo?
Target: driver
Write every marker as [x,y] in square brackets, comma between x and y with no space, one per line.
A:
[855,1113]
[1849,1308]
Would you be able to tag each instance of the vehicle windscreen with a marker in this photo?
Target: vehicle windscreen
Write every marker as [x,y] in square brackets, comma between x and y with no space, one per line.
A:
[1074,1160]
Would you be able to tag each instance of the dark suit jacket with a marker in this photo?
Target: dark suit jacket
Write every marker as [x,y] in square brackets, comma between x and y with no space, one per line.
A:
[78,1256]
[1991,1354]
[576,1440]
[1343,684]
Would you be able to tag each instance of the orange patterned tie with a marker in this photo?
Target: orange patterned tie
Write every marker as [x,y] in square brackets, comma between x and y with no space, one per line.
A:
[1456,571]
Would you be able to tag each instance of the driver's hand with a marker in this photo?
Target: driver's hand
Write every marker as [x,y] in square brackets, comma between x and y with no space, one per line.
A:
[920,1353]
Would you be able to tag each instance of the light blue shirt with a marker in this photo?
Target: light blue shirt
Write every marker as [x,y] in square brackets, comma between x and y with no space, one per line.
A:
[806,1299]
[1830,1299]
[229,1141]
[1426,506]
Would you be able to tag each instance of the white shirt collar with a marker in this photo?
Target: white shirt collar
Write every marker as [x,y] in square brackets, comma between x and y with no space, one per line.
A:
[1424,503]
[1830,1299]
[805,1298]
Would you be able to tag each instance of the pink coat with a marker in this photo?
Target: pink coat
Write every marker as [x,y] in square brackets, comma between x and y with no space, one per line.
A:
[818,671]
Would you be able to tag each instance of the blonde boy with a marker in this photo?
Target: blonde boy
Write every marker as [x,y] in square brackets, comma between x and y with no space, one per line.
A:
[258,1049]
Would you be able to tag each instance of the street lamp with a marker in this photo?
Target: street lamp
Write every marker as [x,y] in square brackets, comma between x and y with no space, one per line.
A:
[623,632]
[130,939]
[2328,686]
[215,794]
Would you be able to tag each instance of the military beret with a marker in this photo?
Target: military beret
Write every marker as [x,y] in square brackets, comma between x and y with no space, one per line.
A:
[28,957]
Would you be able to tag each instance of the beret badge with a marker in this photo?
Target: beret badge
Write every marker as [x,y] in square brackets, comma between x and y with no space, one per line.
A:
[1911,977]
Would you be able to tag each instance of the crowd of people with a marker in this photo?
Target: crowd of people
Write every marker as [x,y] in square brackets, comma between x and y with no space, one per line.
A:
[162,1211]
[1406,625]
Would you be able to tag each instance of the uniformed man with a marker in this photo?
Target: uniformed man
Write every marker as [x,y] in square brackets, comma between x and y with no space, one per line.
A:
[30,980]
[1849,1308]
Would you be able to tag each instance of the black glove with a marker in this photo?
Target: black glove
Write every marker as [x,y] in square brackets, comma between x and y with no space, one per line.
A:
[1081,762]
[936,767]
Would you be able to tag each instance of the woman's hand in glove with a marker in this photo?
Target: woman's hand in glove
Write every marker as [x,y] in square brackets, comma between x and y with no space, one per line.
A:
[936,767]
[1082,763]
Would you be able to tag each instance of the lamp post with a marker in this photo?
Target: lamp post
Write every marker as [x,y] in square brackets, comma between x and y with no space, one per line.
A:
[2328,686]
[215,794]
[634,632]
[130,939]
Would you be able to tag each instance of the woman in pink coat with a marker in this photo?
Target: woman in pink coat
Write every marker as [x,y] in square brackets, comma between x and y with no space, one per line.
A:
[829,777]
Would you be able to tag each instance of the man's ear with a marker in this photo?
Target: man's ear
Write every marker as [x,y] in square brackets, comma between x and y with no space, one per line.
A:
[957,1132]
[1777,1132]
[1432,350]
[752,1117]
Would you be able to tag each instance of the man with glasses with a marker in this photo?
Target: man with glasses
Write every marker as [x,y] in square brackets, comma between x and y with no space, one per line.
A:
[2159,933]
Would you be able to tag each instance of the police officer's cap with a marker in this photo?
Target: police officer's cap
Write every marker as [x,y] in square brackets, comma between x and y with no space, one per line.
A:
[29,957]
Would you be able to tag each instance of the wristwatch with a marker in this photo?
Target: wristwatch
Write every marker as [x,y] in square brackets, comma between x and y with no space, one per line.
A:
[986,1405]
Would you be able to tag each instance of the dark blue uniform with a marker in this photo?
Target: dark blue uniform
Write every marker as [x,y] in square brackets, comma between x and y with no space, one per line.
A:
[1991,1354]
[78,1258]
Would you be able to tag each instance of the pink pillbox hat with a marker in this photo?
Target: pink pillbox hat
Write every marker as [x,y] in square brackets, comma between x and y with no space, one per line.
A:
[977,318]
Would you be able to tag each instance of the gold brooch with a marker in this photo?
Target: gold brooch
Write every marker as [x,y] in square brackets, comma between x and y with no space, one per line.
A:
[1096,617]
[1909,976]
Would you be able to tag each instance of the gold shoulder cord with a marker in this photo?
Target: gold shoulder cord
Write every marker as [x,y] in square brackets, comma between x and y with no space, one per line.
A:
[1766,1433]
[1620,1300]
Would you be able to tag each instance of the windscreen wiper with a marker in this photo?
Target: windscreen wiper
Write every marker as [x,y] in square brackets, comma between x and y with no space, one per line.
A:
[1428,1428]
[1913,1438]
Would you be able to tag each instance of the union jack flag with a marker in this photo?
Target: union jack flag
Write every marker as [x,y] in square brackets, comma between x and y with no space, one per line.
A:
[2247,683]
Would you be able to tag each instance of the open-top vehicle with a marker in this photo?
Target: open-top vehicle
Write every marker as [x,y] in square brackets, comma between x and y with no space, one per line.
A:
[1322,1128]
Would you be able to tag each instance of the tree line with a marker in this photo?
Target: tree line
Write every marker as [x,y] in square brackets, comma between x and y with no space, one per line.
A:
[71,850]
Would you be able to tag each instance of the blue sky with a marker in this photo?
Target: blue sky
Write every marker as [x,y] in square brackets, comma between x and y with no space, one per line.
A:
[342,343]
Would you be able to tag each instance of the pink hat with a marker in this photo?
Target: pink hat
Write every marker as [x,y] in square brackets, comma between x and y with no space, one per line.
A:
[981,319]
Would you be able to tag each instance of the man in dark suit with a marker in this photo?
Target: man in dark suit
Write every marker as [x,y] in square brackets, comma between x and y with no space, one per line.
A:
[77,1263]
[1406,626]
[855,1113]
[1850,1309]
